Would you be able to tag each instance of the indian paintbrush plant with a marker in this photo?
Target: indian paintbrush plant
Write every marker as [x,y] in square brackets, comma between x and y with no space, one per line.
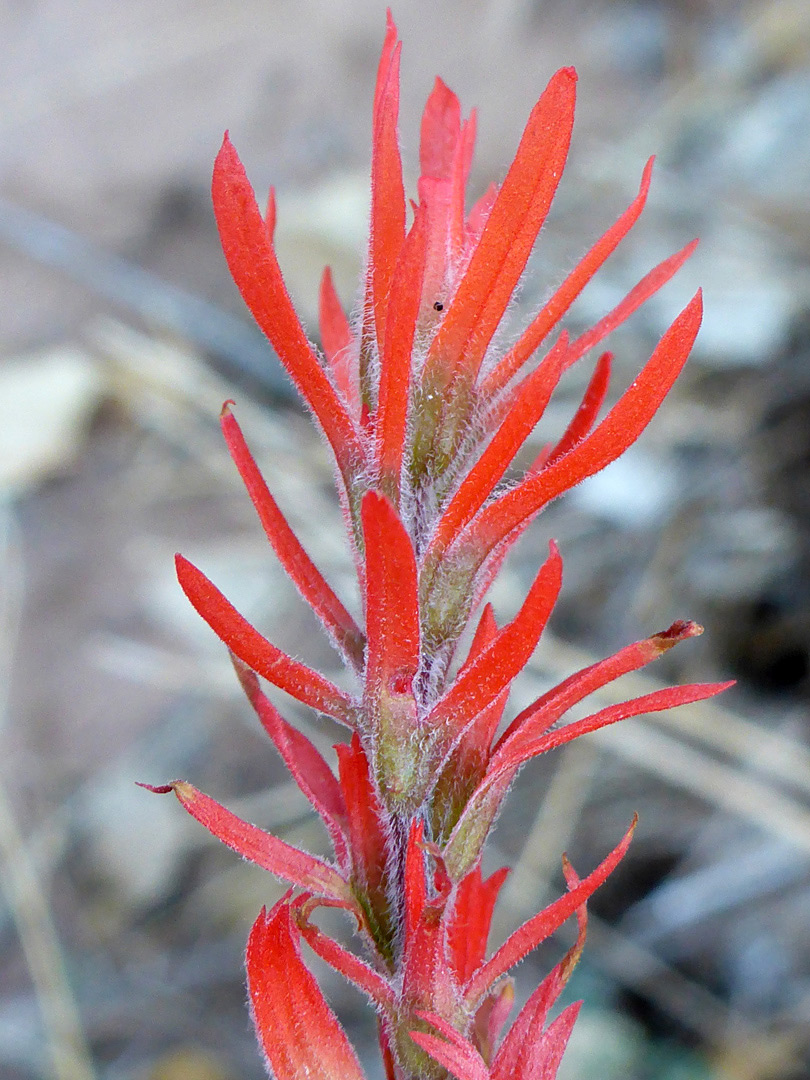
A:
[424,416]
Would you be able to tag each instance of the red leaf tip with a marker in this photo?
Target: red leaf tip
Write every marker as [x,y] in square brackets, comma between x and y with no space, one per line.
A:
[226,408]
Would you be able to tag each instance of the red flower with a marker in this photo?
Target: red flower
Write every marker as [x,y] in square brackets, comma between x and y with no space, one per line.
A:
[424,417]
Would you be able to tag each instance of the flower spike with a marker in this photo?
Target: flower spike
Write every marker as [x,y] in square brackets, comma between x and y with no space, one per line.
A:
[426,418]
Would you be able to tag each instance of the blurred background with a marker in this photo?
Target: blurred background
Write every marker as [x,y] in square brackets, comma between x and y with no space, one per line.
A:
[122,923]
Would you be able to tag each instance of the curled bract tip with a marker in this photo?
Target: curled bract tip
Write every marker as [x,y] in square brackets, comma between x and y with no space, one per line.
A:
[681,630]
[157,789]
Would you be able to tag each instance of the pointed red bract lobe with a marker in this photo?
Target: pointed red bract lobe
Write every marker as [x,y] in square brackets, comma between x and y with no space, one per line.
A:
[546,710]
[349,965]
[307,767]
[526,408]
[522,748]
[299,1033]
[441,128]
[585,416]
[392,600]
[309,581]
[367,837]
[387,227]
[337,341]
[453,1051]
[561,301]
[472,914]
[256,651]
[395,376]
[494,668]
[254,267]
[512,226]
[261,847]
[619,430]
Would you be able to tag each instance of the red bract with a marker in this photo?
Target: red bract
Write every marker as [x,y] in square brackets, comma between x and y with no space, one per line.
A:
[424,417]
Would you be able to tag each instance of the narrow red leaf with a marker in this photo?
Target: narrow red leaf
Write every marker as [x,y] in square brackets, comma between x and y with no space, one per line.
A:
[337,340]
[414,884]
[521,749]
[453,1051]
[386,1053]
[468,835]
[458,186]
[350,966]
[395,374]
[473,749]
[526,1038]
[440,160]
[638,295]
[366,834]
[526,1028]
[392,600]
[479,216]
[547,709]
[440,131]
[306,577]
[491,1016]
[261,847]
[534,335]
[537,929]
[526,408]
[515,1047]
[299,1033]
[254,267]
[620,428]
[491,672]
[470,921]
[388,47]
[308,768]
[256,651]
[435,195]
[336,335]
[516,217]
[545,1056]
[426,973]
[585,416]
[485,633]
[387,226]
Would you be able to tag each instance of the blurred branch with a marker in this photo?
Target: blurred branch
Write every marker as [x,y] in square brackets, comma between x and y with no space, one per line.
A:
[27,902]
[241,350]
